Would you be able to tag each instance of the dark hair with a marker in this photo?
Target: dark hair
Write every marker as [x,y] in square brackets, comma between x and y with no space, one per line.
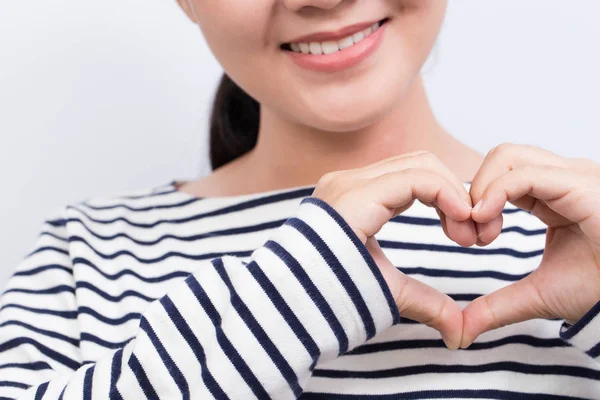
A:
[233,124]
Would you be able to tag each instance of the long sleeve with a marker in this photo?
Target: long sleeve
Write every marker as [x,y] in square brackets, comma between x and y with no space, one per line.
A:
[232,329]
[585,333]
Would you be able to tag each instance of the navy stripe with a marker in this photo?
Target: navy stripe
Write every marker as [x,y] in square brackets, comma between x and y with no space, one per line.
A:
[458,249]
[140,209]
[364,252]
[313,292]
[230,351]
[581,323]
[192,238]
[44,268]
[246,205]
[438,343]
[89,337]
[340,272]
[206,256]
[62,314]
[142,378]
[115,299]
[41,391]
[107,320]
[424,221]
[48,248]
[153,194]
[115,374]
[52,235]
[442,394]
[195,345]
[450,273]
[594,351]
[286,312]
[259,333]
[170,365]
[19,385]
[53,290]
[32,366]
[128,272]
[57,223]
[59,336]
[522,368]
[87,383]
[48,352]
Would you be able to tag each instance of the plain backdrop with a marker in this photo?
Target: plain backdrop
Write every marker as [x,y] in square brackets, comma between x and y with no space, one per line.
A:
[102,97]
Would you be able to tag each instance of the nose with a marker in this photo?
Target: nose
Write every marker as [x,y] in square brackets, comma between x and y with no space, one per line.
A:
[295,5]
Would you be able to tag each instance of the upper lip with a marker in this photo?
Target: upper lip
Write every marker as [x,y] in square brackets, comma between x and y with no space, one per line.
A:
[334,35]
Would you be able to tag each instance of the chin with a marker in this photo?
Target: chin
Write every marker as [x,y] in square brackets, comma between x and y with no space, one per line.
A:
[346,117]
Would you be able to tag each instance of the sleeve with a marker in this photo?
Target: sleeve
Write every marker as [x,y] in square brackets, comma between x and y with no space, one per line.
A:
[232,329]
[585,333]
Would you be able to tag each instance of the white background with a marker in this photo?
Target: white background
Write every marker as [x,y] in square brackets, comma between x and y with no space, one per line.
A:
[108,96]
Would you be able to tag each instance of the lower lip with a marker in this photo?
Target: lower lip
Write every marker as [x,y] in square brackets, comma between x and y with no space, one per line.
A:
[342,59]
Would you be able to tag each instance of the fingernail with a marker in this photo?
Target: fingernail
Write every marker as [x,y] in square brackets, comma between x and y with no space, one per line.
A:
[480,231]
[446,341]
[478,206]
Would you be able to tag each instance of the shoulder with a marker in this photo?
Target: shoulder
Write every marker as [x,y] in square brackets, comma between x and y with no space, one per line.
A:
[128,209]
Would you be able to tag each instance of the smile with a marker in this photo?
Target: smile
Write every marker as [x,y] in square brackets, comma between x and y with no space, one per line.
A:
[334,52]
[333,46]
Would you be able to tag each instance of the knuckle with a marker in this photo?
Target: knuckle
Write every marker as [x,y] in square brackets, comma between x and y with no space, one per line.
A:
[493,318]
[429,157]
[328,178]
[503,149]
[585,163]
[436,316]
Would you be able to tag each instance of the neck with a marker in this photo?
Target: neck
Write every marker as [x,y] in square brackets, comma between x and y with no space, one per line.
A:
[289,154]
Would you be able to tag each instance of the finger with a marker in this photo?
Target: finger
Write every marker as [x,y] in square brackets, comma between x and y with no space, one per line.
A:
[488,232]
[465,230]
[418,301]
[500,160]
[573,197]
[419,159]
[422,303]
[427,187]
[455,229]
[514,303]
[506,157]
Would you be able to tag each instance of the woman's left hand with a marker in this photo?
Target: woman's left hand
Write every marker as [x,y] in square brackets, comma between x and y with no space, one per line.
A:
[564,193]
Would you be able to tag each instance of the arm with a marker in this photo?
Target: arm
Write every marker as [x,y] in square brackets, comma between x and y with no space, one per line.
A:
[232,329]
[584,334]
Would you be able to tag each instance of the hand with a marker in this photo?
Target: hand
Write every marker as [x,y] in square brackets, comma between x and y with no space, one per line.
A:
[564,193]
[369,197]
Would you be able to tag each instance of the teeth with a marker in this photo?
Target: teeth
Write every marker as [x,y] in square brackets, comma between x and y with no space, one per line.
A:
[345,43]
[304,48]
[330,47]
[315,48]
[358,37]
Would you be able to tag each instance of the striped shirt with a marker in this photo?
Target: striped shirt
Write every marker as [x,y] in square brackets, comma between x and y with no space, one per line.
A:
[159,294]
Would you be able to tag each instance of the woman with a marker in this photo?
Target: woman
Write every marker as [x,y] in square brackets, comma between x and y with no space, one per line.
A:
[265,279]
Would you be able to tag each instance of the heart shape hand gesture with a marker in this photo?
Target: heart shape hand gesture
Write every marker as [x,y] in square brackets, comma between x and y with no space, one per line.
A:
[564,193]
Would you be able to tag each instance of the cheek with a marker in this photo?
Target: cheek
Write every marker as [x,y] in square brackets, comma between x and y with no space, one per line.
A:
[235,31]
[352,99]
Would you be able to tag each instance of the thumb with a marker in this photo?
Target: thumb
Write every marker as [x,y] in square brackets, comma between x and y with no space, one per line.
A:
[517,302]
[418,301]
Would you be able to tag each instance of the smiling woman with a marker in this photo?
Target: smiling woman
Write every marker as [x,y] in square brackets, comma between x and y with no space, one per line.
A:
[331,254]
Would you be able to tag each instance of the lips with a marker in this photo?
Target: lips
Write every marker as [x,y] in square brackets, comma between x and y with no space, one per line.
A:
[341,35]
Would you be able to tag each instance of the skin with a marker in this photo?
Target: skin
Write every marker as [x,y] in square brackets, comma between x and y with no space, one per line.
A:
[325,122]
[315,123]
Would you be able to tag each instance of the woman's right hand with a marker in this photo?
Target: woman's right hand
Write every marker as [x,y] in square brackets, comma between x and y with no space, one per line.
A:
[370,196]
